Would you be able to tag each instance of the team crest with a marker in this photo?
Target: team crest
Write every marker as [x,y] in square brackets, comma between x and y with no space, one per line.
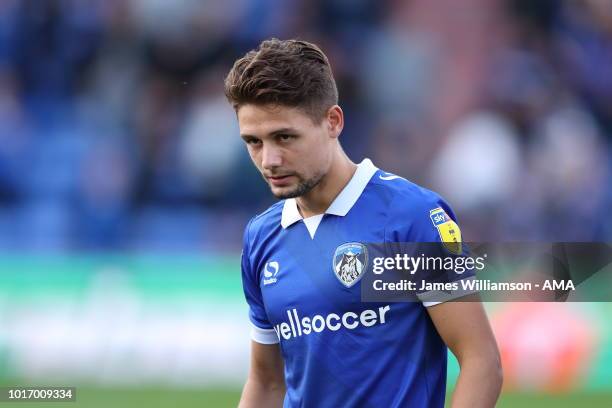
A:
[350,261]
[449,231]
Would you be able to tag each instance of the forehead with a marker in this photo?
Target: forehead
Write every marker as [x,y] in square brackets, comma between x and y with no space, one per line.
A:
[264,119]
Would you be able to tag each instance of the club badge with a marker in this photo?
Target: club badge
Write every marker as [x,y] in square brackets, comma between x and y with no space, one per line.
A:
[349,263]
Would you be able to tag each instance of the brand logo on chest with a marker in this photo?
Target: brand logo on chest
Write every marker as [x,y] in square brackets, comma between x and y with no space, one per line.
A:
[271,269]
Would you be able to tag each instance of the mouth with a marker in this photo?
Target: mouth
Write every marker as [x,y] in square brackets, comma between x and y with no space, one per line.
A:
[279,181]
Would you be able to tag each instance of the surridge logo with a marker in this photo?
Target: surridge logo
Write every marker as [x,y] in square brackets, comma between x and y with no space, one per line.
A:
[271,269]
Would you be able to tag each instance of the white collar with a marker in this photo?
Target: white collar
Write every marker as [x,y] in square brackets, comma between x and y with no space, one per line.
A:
[343,202]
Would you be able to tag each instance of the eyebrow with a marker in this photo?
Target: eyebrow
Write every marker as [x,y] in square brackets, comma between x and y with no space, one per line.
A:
[273,133]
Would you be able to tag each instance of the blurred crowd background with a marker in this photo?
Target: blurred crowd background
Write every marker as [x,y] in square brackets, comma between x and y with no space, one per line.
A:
[125,187]
[115,134]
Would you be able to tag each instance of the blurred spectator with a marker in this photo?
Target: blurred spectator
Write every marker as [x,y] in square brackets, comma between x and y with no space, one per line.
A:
[103,199]
[115,133]
[479,169]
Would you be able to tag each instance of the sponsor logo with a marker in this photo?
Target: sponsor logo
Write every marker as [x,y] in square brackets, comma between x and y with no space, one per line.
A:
[297,326]
[270,271]
[449,231]
[349,263]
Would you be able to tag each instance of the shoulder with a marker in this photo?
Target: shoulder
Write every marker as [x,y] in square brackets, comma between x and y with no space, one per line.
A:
[411,210]
[264,223]
[403,197]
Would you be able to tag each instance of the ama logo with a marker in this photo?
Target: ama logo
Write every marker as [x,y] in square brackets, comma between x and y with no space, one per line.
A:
[270,271]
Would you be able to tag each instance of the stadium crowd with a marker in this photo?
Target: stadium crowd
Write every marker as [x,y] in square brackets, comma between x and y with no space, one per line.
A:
[115,133]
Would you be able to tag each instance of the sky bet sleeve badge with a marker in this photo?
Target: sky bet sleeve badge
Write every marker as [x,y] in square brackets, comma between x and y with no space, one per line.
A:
[448,230]
[350,261]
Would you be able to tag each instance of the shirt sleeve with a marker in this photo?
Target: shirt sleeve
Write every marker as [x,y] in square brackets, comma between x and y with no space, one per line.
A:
[432,223]
[442,225]
[261,328]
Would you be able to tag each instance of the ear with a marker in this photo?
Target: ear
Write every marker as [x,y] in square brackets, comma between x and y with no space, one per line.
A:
[335,121]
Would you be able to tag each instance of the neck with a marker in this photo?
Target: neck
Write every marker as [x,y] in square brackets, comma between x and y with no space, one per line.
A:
[317,200]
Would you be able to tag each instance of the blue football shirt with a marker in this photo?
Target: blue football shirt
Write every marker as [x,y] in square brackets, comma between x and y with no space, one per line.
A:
[340,351]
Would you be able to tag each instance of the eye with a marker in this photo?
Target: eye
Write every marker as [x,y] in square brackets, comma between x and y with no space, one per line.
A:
[252,141]
[285,137]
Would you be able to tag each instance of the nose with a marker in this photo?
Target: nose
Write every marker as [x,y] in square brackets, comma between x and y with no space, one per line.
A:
[271,157]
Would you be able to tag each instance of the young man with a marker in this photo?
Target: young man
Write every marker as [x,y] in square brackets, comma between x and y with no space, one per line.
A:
[314,342]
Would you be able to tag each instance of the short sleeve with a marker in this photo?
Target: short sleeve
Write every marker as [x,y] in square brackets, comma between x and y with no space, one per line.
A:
[261,329]
[443,226]
[432,224]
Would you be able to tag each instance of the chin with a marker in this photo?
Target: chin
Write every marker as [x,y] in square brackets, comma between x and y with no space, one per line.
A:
[284,192]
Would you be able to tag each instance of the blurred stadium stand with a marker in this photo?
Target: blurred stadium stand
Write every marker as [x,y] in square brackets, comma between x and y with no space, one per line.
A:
[115,138]
[115,134]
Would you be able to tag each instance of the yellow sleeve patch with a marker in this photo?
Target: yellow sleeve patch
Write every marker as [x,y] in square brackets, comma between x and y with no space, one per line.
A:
[449,231]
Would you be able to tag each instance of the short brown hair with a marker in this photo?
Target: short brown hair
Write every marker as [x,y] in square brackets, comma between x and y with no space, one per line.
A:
[291,73]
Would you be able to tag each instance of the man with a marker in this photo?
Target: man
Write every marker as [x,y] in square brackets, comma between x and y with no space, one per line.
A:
[314,342]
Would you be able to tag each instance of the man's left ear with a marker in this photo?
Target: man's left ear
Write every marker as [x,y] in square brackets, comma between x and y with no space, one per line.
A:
[335,121]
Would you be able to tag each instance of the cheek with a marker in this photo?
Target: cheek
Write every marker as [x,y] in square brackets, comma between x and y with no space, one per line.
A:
[322,150]
[255,157]
[317,159]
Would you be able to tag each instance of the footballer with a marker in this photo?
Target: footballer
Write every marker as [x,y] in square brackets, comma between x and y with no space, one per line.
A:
[314,343]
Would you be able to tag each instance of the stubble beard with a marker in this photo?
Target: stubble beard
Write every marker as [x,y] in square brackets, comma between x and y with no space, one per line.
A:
[303,187]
